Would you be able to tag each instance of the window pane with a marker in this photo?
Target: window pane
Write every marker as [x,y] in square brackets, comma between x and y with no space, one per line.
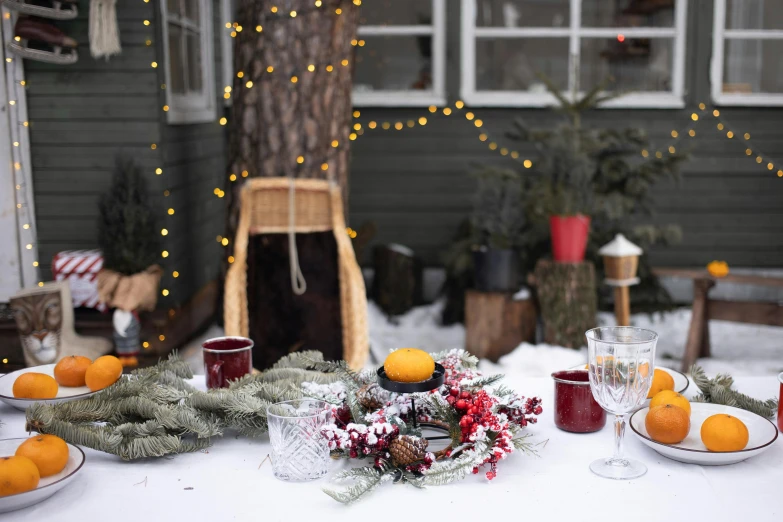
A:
[523,13]
[177,72]
[194,62]
[754,14]
[511,64]
[628,13]
[637,64]
[192,10]
[752,66]
[172,7]
[394,63]
[396,12]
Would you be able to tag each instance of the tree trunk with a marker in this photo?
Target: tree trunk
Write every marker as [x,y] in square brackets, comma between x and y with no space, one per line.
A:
[291,117]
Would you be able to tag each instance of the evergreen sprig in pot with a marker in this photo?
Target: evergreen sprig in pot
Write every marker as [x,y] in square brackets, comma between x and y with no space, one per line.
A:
[498,220]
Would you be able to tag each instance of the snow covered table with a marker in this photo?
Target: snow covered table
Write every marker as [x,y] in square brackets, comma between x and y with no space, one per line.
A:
[230,481]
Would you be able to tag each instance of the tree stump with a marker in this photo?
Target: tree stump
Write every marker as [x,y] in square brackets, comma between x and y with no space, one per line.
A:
[495,323]
[397,284]
[568,300]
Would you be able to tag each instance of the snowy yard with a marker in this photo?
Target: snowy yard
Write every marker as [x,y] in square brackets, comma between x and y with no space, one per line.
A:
[736,348]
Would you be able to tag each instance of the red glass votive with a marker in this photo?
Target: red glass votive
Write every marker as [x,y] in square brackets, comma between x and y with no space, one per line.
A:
[780,403]
[575,408]
[227,359]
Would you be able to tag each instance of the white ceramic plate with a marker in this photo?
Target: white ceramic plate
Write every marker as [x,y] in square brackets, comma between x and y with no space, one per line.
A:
[48,486]
[681,381]
[64,394]
[692,450]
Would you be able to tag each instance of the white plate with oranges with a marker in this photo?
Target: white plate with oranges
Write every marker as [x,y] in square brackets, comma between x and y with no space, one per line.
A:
[702,433]
[34,469]
[74,377]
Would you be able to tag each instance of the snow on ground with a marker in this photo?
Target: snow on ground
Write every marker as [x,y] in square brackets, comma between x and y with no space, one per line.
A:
[739,349]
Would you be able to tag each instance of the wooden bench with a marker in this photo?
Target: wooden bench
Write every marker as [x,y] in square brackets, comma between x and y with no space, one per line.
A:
[705,309]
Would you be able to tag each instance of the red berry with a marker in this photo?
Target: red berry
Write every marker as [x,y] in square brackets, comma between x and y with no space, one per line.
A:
[464,395]
[461,404]
[467,419]
[450,400]
[454,392]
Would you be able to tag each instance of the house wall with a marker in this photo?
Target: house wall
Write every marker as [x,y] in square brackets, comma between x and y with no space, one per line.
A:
[415,184]
[84,114]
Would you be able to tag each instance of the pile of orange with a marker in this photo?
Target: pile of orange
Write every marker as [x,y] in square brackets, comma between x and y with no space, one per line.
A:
[668,421]
[661,381]
[72,371]
[37,457]
[409,365]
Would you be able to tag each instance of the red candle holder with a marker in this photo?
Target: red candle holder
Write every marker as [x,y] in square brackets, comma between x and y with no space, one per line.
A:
[780,403]
[575,408]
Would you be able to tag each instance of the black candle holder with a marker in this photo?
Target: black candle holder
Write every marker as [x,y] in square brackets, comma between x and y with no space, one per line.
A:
[405,388]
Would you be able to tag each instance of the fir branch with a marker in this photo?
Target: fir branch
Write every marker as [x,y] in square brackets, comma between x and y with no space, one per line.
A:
[481,382]
[719,391]
[446,472]
[522,444]
[366,479]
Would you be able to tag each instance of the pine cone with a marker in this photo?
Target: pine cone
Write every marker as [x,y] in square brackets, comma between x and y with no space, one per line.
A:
[370,397]
[406,450]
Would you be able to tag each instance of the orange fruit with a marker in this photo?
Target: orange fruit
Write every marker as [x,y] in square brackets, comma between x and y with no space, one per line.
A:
[32,385]
[670,397]
[70,370]
[17,475]
[668,424]
[723,432]
[48,452]
[661,381]
[409,365]
[103,372]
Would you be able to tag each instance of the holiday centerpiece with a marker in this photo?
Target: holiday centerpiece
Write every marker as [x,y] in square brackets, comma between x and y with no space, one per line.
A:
[128,238]
[154,412]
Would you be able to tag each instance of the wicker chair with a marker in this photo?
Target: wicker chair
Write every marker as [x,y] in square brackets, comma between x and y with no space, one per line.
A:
[318,207]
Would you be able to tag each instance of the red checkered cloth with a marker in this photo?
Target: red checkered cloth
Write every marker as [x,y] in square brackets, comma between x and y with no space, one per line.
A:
[80,268]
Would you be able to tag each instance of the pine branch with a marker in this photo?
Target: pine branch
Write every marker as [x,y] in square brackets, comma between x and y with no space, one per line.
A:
[366,480]
[446,472]
[719,391]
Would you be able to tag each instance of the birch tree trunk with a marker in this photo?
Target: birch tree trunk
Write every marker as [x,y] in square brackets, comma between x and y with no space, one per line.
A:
[291,117]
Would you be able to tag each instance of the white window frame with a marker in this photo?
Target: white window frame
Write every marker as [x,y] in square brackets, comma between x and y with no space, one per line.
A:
[227,46]
[673,99]
[188,108]
[719,36]
[409,97]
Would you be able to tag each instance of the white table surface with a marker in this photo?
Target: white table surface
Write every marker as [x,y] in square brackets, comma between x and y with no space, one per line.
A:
[227,483]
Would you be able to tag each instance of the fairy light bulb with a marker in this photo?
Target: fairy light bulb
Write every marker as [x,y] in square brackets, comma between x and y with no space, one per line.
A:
[527,163]
[422,121]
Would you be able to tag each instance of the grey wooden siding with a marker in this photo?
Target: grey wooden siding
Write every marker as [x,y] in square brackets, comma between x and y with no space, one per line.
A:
[415,184]
[82,115]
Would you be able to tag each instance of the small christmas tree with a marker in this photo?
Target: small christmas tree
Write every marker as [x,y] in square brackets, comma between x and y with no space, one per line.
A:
[127,234]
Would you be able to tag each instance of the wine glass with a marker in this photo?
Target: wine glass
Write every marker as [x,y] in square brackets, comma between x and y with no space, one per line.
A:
[621,370]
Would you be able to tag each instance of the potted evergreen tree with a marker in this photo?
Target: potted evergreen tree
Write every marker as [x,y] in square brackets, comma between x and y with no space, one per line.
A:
[497,222]
[128,237]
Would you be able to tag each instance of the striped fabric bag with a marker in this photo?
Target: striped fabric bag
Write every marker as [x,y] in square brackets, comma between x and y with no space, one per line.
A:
[80,268]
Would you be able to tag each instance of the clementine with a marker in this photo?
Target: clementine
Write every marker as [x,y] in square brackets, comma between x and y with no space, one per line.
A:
[661,381]
[722,432]
[667,423]
[70,370]
[17,475]
[33,385]
[48,452]
[409,365]
[103,372]
[670,397]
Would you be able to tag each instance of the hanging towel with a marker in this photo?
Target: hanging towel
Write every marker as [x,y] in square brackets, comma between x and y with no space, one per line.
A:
[104,33]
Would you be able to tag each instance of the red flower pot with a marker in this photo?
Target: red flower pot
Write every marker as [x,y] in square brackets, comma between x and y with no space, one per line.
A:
[569,237]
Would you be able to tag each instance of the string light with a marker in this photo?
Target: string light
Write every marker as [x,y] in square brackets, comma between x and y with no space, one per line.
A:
[729,134]
[694,116]
[747,136]
[145,345]
[720,126]
[230,259]
[658,154]
[232,177]
[162,337]
[164,292]
[758,159]
[716,113]
[527,163]
[398,125]
[422,121]
[300,159]
[447,111]
[240,74]
[164,254]
[146,22]
[244,174]
[692,133]
[154,65]
[478,123]
[433,109]
[482,137]
[249,84]
[674,134]
[372,125]
[493,146]
[352,136]
[324,166]
[224,241]
[223,121]
[175,274]
[469,116]
[170,211]
[702,106]
[165,108]
[386,125]
[153,146]
[259,28]
[672,150]
[645,153]
[335,143]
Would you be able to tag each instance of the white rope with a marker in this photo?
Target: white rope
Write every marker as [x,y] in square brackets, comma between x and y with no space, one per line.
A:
[298,283]
[104,33]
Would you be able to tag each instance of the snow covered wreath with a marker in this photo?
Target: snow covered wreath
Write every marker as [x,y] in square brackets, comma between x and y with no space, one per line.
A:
[155,412]
[484,421]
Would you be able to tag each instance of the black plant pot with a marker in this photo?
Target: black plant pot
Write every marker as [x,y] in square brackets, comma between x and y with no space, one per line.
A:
[496,270]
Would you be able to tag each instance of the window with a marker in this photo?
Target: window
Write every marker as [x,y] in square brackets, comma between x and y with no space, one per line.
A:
[747,45]
[401,54]
[228,15]
[187,34]
[576,44]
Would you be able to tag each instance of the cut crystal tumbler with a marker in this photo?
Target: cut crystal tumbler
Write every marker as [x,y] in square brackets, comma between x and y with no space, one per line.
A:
[299,451]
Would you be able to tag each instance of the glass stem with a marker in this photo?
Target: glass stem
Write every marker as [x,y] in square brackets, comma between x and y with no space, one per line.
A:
[619,431]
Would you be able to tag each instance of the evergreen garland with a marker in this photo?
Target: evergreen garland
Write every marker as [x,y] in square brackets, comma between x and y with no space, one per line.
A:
[127,234]
[719,391]
[153,412]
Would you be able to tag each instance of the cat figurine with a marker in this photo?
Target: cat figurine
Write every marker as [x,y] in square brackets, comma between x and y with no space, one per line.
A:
[44,319]
[39,322]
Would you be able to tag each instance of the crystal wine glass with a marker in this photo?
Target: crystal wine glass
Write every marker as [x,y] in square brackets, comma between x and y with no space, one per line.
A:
[621,370]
